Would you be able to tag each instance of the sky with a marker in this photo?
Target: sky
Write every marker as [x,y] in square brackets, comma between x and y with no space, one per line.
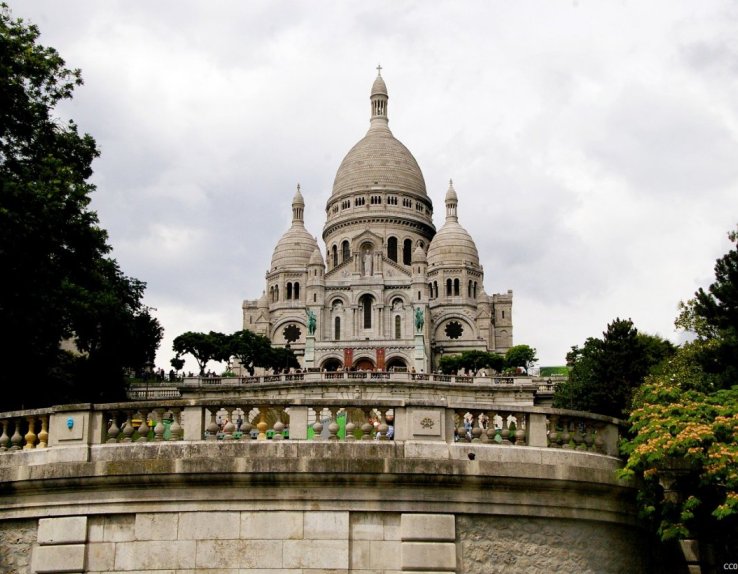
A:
[593,145]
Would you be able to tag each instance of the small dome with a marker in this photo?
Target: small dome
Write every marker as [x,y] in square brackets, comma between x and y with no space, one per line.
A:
[419,255]
[298,199]
[317,258]
[379,88]
[452,244]
[451,193]
[294,249]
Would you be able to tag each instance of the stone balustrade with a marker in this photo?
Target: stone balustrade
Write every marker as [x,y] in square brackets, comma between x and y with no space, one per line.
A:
[348,419]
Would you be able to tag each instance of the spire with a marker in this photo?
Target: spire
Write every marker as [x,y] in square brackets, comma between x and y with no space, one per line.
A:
[298,207]
[379,99]
[452,200]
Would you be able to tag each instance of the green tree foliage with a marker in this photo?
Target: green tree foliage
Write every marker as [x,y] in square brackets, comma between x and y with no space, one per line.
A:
[250,349]
[58,281]
[520,356]
[713,316]
[605,372]
[472,361]
[204,347]
[684,433]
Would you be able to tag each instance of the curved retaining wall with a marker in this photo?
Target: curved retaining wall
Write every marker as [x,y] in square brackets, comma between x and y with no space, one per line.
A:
[294,507]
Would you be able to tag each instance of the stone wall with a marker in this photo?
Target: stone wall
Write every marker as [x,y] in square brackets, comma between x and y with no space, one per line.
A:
[315,542]
[490,545]
[16,540]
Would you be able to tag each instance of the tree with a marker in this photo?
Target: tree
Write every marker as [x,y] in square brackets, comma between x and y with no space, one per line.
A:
[520,356]
[251,350]
[471,361]
[683,440]
[204,347]
[58,281]
[605,372]
[282,359]
[712,315]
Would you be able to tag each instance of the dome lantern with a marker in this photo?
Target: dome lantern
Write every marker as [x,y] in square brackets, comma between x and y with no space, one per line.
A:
[379,98]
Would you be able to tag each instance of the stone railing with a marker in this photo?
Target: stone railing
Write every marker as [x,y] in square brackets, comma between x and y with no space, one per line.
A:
[316,419]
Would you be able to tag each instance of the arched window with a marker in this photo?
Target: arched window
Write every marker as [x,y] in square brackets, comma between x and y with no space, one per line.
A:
[456,287]
[419,296]
[448,287]
[469,290]
[435,289]
[345,251]
[392,249]
[335,256]
[430,290]
[407,251]
[337,329]
[366,304]
[297,291]
[475,290]
[315,297]
[398,327]
[276,293]
[289,291]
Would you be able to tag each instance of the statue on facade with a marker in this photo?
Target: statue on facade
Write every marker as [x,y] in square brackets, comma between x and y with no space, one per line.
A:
[368,263]
[419,319]
[312,321]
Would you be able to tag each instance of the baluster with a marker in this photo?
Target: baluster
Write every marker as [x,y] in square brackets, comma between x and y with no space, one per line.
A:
[4,438]
[43,435]
[113,429]
[262,425]
[159,427]
[333,425]
[553,434]
[16,439]
[246,426]
[476,431]
[520,428]
[278,430]
[383,426]
[565,435]
[212,428]
[175,430]
[229,427]
[505,432]
[577,437]
[128,428]
[143,428]
[367,427]
[483,426]
[30,435]
[350,428]
[599,443]
[492,435]
[588,436]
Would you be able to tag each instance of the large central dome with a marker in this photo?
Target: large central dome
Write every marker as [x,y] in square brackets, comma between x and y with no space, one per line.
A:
[379,159]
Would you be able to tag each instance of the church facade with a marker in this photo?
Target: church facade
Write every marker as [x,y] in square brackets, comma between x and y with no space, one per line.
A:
[393,292]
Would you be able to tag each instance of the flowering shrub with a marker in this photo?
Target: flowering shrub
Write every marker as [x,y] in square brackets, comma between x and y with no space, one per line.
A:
[684,446]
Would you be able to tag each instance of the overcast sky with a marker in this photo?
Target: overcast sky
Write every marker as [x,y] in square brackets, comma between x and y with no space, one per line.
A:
[593,145]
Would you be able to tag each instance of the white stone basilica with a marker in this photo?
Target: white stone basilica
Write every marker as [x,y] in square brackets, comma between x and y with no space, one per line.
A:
[395,293]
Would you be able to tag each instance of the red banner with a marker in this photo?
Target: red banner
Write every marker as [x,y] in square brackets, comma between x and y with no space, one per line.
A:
[380,359]
[348,358]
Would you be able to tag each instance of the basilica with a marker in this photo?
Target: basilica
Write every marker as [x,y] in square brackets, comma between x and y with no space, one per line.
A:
[393,292]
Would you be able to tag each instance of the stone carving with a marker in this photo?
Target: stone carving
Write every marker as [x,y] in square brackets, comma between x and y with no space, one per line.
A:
[368,263]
